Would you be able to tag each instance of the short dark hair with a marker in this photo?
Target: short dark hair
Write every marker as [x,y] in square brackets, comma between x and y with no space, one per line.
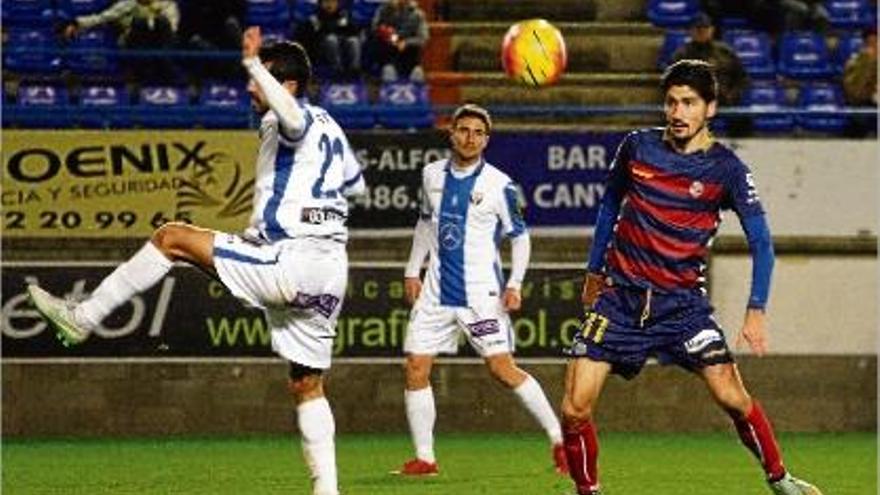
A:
[697,74]
[473,110]
[290,62]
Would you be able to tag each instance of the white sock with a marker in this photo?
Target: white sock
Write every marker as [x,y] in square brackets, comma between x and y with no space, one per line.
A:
[142,271]
[316,425]
[532,396]
[421,415]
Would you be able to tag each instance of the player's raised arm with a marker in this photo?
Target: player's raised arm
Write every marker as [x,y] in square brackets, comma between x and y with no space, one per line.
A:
[279,95]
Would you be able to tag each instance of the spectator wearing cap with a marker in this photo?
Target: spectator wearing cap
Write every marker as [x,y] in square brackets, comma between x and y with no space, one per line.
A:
[732,77]
[860,82]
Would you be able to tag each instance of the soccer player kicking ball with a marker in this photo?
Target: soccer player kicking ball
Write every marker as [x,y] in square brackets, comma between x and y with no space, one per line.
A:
[291,261]
[467,206]
[644,285]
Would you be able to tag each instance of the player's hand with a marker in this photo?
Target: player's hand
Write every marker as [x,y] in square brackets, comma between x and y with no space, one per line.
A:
[593,284]
[512,299]
[753,332]
[251,41]
[412,287]
[70,30]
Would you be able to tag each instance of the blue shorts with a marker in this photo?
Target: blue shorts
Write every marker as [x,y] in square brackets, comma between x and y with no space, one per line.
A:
[627,325]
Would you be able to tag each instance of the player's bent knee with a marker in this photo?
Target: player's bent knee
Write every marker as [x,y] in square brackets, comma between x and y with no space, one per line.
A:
[305,382]
[167,238]
[576,412]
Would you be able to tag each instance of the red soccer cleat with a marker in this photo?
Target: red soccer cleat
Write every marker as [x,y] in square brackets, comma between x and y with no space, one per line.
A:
[559,459]
[418,467]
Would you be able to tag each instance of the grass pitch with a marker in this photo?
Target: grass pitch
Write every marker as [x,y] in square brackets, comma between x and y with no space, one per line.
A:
[631,464]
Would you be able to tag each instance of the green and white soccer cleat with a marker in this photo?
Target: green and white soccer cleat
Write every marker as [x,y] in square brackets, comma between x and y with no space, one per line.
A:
[59,314]
[789,485]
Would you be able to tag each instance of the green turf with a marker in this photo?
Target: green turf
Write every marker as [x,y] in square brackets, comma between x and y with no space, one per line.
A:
[632,464]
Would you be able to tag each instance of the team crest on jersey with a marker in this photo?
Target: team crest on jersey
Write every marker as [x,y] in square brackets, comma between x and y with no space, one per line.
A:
[696,189]
[476,198]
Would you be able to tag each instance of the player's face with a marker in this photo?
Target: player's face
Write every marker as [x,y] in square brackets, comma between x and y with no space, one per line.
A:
[469,138]
[687,113]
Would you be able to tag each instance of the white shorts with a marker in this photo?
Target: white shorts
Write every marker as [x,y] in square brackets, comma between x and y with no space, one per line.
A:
[299,284]
[435,329]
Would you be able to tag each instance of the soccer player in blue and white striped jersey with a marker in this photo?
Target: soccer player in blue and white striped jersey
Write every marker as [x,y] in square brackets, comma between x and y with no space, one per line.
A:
[291,261]
[468,208]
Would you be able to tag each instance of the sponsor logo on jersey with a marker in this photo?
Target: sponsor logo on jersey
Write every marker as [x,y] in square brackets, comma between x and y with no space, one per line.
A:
[450,236]
[702,340]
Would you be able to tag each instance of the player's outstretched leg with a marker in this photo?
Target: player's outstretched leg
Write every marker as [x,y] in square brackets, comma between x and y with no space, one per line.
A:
[74,322]
[532,397]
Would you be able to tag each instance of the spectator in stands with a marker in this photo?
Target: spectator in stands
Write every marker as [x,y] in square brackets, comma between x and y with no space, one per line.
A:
[732,77]
[142,25]
[860,83]
[399,34]
[211,26]
[333,39]
[775,16]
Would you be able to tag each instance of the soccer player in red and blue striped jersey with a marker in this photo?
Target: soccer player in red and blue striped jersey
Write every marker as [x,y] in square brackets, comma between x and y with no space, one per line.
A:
[645,284]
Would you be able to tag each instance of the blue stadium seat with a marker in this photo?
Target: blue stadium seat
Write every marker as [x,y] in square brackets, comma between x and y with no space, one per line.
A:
[363,11]
[404,105]
[163,107]
[104,106]
[754,50]
[847,45]
[769,98]
[672,13]
[34,14]
[31,51]
[672,40]
[827,100]
[850,14]
[804,55]
[223,105]
[267,13]
[734,23]
[74,8]
[349,104]
[274,35]
[92,53]
[303,9]
[38,106]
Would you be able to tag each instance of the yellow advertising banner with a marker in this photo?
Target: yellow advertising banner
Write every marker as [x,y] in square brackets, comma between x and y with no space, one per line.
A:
[125,183]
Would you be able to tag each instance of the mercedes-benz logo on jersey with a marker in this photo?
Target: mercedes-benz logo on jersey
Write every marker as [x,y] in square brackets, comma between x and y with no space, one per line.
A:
[696,189]
[450,236]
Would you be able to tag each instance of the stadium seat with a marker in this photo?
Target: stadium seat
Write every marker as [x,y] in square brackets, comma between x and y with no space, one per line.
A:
[34,14]
[268,13]
[768,97]
[274,35]
[363,11]
[734,23]
[303,9]
[348,104]
[92,53]
[850,14]
[672,13]
[754,51]
[104,106]
[847,45]
[672,40]
[804,55]
[826,99]
[73,8]
[163,107]
[39,106]
[404,105]
[31,51]
[223,105]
